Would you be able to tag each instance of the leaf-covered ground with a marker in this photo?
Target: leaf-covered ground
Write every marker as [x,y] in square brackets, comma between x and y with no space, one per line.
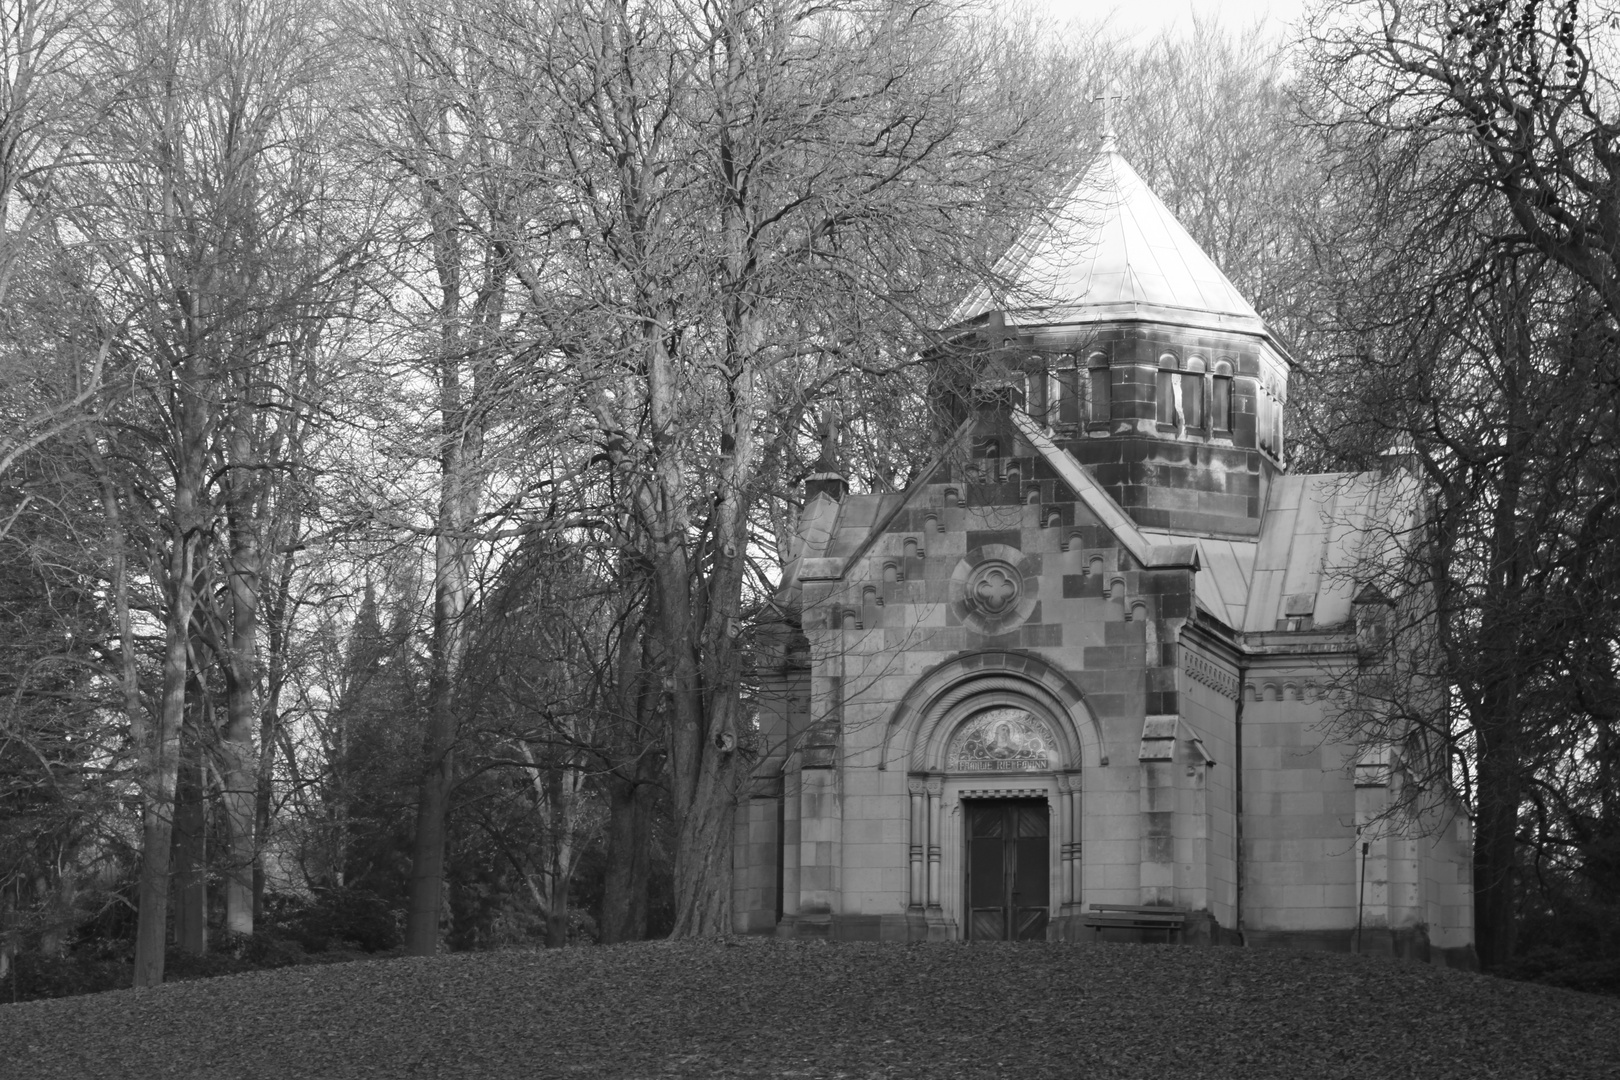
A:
[810,1010]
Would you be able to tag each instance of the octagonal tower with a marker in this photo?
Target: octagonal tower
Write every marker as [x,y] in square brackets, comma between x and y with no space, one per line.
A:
[1143,361]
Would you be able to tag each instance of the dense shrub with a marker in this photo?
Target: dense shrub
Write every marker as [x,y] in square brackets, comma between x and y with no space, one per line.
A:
[38,975]
[1570,970]
[334,918]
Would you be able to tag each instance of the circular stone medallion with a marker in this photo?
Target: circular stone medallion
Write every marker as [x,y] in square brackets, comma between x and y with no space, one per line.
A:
[993,588]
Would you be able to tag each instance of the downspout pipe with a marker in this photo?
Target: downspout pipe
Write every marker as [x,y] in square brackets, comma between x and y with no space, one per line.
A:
[1237,831]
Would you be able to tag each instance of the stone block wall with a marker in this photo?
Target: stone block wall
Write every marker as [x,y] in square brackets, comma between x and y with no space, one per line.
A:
[1157,693]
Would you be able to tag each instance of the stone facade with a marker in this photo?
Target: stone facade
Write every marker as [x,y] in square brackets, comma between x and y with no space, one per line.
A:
[1108,603]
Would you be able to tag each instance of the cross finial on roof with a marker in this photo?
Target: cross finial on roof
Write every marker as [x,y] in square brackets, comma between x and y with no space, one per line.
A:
[1108,96]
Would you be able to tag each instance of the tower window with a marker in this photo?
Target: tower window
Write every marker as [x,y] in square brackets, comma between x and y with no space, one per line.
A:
[1165,395]
[1094,379]
[1192,394]
[1221,406]
[1071,392]
[1101,386]
[1102,394]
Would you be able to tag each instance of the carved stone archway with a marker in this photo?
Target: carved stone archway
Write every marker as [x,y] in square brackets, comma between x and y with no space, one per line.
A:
[1020,701]
[928,712]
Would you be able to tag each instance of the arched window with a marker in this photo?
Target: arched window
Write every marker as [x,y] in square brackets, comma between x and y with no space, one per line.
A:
[1071,401]
[1221,407]
[1101,379]
[1192,394]
[1035,392]
[1168,392]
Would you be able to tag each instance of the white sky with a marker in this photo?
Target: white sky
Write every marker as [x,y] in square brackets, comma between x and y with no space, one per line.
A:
[1148,17]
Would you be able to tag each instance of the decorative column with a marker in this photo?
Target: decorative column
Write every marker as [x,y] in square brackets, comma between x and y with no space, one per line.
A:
[1068,814]
[934,787]
[919,843]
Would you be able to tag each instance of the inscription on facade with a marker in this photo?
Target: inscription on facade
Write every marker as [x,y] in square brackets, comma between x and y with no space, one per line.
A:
[1002,740]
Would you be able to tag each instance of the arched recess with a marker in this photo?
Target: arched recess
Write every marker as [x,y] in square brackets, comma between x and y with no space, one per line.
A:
[930,711]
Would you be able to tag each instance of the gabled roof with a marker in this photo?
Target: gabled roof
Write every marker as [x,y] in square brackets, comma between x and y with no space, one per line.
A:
[1112,250]
[833,536]
[1319,533]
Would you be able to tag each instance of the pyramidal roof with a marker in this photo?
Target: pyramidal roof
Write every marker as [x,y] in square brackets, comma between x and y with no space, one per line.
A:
[1112,250]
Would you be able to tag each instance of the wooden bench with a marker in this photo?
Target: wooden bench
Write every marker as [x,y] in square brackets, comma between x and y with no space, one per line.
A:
[1134,917]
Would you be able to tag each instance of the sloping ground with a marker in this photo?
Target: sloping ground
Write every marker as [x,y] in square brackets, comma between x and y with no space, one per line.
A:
[801,1010]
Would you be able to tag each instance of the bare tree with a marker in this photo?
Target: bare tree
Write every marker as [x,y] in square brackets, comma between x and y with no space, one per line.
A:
[46,107]
[197,223]
[463,203]
[762,199]
[1472,265]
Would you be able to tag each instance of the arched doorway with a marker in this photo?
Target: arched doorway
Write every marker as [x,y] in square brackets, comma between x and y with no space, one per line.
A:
[995,760]
[1007,857]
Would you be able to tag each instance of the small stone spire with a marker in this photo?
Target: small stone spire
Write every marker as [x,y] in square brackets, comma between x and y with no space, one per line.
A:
[1108,97]
[826,479]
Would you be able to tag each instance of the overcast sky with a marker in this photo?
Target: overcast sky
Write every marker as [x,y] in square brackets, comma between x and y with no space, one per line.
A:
[1146,17]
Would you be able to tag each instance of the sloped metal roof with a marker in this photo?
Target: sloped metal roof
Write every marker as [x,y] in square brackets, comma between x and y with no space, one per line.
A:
[1319,534]
[1112,250]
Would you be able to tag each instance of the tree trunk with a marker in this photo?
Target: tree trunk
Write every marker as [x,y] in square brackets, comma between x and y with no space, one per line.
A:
[264,775]
[275,621]
[457,497]
[629,859]
[245,566]
[1496,857]
[428,844]
[161,757]
[703,860]
[191,857]
[241,781]
[632,793]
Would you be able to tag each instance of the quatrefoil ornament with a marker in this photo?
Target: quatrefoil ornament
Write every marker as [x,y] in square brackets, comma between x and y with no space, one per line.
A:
[993,588]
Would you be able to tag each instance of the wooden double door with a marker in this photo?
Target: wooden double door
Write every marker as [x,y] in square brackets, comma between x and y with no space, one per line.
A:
[1009,876]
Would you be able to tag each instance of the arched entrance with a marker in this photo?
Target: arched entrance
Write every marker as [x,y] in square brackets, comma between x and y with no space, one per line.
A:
[994,745]
[1007,857]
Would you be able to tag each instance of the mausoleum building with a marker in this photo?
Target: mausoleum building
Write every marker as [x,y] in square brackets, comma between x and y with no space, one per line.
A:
[1095,656]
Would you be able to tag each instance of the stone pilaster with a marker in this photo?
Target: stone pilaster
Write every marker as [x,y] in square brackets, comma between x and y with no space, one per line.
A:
[1157,804]
[792,804]
[1068,823]
[821,829]
[939,928]
[1372,850]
